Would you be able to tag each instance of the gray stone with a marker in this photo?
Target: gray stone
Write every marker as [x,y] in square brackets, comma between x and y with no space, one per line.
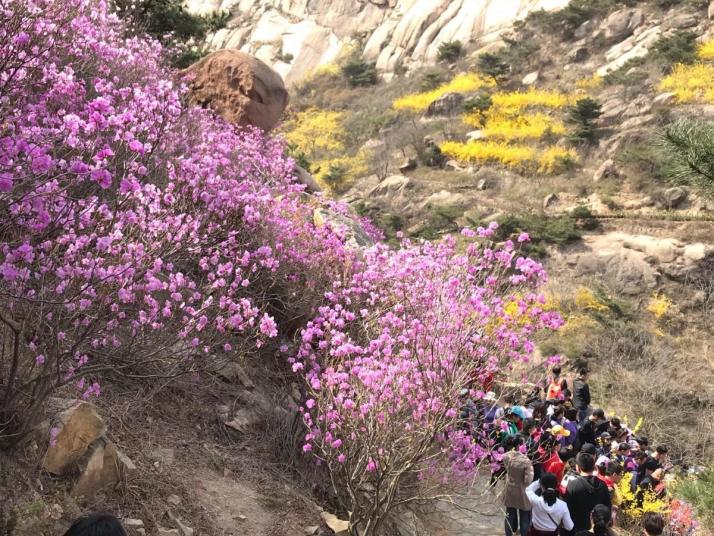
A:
[163,456]
[578,54]
[167,532]
[584,30]
[305,177]
[452,165]
[410,164]
[530,78]
[607,169]
[622,24]
[133,523]
[664,99]
[475,135]
[447,105]
[184,529]
[682,21]
[674,197]
[550,200]
[482,185]
[174,500]
[337,525]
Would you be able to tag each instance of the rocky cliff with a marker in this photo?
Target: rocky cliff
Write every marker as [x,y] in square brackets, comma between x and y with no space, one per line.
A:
[297,36]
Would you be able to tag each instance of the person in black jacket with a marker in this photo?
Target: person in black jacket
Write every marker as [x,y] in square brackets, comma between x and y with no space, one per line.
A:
[584,493]
[581,394]
[589,430]
[96,525]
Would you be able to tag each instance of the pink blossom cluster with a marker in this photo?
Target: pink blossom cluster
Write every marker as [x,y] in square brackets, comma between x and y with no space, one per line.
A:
[133,229]
[388,354]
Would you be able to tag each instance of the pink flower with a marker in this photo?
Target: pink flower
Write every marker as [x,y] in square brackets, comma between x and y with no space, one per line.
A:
[136,146]
[524,237]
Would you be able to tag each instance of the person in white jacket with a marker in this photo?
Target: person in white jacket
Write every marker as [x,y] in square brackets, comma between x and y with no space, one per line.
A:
[549,514]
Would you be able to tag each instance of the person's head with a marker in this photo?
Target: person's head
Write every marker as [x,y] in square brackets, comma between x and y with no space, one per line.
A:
[605,439]
[653,524]
[96,525]
[558,412]
[529,426]
[549,486]
[571,414]
[585,463]
[598,415]
[556,371]
[661,452]
[601,517]
[589,448]
[651,466]
[614,472]
[515,442]
[640,457]
[644,442]
[567,394]
[615,423]
[583,373]
[623,449]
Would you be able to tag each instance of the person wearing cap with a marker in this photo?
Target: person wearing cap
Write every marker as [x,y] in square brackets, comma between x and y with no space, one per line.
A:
[581,394]
[549,513]
[601,519]
[584,493]
[551,448]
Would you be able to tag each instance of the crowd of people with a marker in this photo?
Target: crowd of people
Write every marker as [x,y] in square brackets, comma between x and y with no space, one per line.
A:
[564,462]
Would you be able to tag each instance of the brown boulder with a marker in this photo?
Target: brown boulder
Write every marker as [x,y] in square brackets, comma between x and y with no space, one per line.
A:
[101,469]
[80,426]
[241,88]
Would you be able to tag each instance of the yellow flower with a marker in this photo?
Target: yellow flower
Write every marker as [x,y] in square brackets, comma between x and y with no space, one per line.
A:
[659,305]
[691,83]
[517,127]
[585,299]
[463,83]
[593,82]
[520,100]
[705,51]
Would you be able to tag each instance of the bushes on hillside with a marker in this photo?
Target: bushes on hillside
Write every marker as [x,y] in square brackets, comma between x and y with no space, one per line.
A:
[582,116]
[680,47]
[383,395]
[170,22]
[359,73]
[492,65]
[450,51]
[137,236]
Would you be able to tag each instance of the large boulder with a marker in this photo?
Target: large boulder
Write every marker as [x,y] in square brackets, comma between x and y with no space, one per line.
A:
[102,468]
[622,24]
[449,104]
[241,88]
[79,426]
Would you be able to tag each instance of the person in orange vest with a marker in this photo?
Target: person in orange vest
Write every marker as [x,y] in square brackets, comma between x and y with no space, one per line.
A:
[556,386]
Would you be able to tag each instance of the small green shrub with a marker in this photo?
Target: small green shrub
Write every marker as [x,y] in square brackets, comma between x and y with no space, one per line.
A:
[359,73]
[680,47]
[301,159]
[542,229]
[623,76]
[450,51]
[335,174]
[285,57]
[644,160]
[169,17]
[583,116]
[431,81]
[432,156]
[564,22]
[493,65]
[699,491]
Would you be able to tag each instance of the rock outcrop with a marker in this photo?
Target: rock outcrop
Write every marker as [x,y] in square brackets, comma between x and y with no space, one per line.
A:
[241,88]
[297,36]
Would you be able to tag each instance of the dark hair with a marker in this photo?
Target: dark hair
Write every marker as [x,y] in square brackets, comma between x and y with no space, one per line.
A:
[615,422]
[556,370]
[640,454]
[549,484]
[614,469]
[96,525]
[643,441]
[585,462]
[515,441]
[652,465]
[571,414]
[528,424]
[653,523]
[589,448]
[582,371]
[566,393]
[599,413]
[601,516]
[662,449]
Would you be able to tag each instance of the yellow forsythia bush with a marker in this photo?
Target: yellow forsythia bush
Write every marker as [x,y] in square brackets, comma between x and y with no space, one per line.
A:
[519,127]
[519,157]
[337,173]
[593,82]
[586,300]
[691,83]
[706,51]
[463,83]
[316,131]
[520,100]
[659,305]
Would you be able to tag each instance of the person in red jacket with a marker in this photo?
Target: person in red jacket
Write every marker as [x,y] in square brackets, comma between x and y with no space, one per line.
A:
[553,463]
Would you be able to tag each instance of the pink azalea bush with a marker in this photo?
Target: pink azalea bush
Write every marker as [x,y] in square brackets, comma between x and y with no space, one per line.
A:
[387,355]
[135,233]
